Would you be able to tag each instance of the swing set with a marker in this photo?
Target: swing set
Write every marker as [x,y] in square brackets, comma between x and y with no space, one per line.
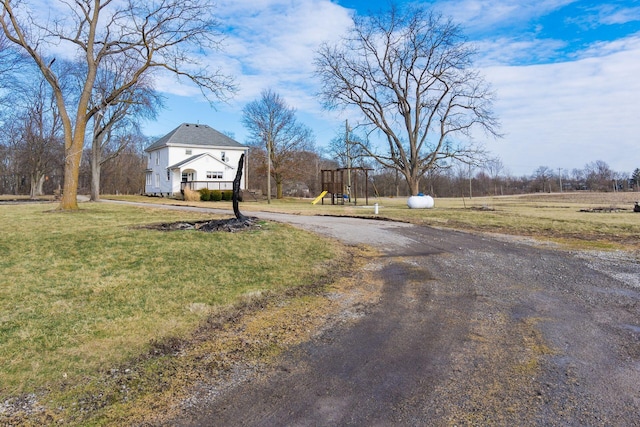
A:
[334,183]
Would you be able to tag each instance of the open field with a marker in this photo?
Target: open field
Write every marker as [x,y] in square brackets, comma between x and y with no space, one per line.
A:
[83,293]
[608,223]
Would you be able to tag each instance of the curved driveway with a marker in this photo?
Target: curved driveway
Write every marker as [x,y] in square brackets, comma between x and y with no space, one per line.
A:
[469,330]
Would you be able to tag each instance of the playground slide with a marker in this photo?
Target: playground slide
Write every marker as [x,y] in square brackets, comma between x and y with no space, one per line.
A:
[317,199]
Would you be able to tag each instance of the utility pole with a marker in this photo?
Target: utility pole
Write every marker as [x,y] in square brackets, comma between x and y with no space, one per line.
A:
[268,167]
[266,134]
[348,145]
[560,178]
[470,183]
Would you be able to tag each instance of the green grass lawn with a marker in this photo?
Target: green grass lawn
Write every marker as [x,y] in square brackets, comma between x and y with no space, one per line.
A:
[86,290]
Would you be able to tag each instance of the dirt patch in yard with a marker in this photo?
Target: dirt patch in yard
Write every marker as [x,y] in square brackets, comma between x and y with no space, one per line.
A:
[231,225]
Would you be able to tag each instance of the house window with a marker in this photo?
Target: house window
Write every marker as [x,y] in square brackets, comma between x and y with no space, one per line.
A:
[223,156]
[158,180]
[168,174]
[148,180]
[188,151]
[185,177]
[157,157]
[214,174]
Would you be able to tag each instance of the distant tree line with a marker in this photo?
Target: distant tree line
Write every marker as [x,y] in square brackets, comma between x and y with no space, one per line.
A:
[484,181]
[462,180]
[121,174]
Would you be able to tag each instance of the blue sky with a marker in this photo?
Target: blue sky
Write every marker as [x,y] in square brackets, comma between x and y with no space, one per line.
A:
[565,73]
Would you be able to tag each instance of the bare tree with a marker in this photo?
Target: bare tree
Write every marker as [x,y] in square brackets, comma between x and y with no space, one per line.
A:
[41,137]
[10,164]
[598,176]
[32,137]
[124,173]
[579,179]
[272,124]
[409,72]
[141,36]
[543,176]
[494,168]
[14,69]
[10,60]
[116,124]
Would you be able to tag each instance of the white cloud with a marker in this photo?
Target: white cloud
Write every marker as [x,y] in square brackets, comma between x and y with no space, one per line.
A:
[504,50]
[480,15]
[568,114]
[621,15]
[607,14]
[627,44]
[272,43]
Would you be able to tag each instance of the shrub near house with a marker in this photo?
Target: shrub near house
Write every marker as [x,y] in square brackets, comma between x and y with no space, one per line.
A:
[215,195]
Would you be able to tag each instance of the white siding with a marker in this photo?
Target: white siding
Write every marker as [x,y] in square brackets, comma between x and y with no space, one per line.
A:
[158,171]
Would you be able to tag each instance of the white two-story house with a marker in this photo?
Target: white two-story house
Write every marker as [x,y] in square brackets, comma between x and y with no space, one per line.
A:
[194,156]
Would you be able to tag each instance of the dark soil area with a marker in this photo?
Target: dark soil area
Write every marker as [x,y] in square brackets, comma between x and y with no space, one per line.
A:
[231,225]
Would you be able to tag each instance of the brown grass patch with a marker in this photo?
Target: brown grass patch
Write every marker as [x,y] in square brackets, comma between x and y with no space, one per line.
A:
[191,195]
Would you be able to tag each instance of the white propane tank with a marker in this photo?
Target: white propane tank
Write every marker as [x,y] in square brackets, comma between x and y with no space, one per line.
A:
[420,202]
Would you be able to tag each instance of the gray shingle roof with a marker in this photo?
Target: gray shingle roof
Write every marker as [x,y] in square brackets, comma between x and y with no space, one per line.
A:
[196,135]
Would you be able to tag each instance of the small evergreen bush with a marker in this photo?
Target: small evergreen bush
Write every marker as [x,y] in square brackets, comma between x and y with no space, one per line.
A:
[227,195]
[205,194]
[216,195]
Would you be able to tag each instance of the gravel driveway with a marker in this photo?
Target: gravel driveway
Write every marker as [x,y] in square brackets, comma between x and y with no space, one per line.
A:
[468,330]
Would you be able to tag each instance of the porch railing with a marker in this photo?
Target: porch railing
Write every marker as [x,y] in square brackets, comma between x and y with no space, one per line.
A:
[211,185]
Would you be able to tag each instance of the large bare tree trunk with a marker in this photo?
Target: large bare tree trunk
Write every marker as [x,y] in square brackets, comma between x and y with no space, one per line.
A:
[279,180]
[95,182]
[73,156]
[414,186]
[37,181]
[96,154]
